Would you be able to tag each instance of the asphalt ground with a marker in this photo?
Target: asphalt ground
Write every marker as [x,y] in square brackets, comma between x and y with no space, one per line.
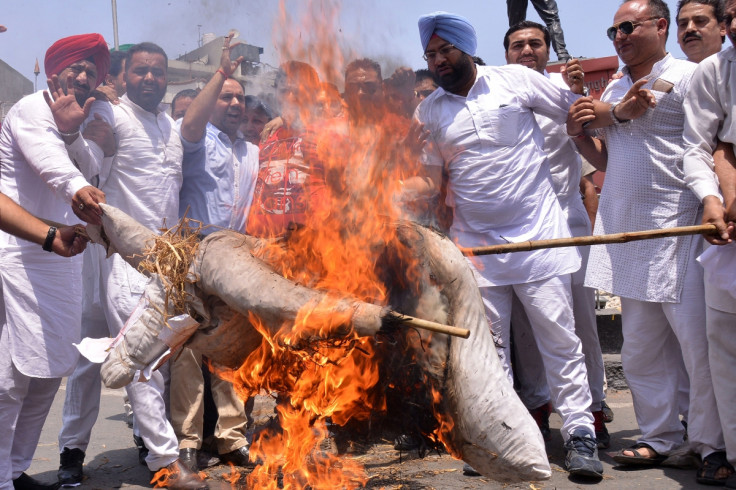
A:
[112,459]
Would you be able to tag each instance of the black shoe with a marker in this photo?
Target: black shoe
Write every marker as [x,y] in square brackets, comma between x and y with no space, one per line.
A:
[25,482]
[406,442]
[469,470]
[178,477]
[205,459]
[607,412]
[581,458]
[142,449]
[189,457]
[239,457]
[70,467]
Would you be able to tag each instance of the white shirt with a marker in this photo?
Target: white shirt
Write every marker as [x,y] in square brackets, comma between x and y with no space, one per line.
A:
[41,291]
[645,189]
[499,182]
[565,166]
[145,175]
[708,116]
[708,110]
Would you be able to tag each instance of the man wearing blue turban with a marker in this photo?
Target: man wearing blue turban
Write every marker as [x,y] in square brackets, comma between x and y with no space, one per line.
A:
[484,148]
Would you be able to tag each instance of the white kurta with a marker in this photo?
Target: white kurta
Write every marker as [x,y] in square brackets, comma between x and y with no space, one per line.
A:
[41,291]
[499,182]
[645,189]
[709,116]
[143,179]
[708,110]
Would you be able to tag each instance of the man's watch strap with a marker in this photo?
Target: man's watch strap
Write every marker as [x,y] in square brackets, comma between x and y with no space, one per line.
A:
[49,239]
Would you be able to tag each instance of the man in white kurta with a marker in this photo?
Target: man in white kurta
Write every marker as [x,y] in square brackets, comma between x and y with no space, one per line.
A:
[659,282]
[528,44]
[709,109]
[483,133]
[41,292]
[143,179]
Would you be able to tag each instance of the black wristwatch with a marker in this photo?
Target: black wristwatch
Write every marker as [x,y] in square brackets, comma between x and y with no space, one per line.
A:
[49,239]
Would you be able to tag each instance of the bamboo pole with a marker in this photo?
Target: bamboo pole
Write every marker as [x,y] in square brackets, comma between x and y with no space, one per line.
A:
[432,326]
[591,240]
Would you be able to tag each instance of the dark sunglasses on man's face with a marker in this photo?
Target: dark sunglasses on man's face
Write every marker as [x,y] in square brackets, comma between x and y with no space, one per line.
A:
[626,27]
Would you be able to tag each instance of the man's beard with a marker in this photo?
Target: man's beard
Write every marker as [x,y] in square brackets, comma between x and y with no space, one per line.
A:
[453,81]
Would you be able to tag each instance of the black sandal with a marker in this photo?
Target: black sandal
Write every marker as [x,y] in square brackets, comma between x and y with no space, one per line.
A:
[638,459]
[708,471]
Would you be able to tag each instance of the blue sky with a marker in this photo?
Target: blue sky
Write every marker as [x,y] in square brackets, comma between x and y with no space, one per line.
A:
[383,29]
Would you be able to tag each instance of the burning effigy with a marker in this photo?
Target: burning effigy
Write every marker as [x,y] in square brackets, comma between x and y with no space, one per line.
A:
[330,355]
[354,316]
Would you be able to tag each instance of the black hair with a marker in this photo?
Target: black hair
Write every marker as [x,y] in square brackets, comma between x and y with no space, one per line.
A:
[144,47]
[526,24]
[365,64]
[660,10]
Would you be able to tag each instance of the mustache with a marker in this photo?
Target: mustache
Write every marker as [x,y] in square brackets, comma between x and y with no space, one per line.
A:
[691,35]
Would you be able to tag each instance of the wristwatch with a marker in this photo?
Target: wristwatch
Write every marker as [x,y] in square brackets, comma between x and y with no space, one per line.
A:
[49,239]
[616,120]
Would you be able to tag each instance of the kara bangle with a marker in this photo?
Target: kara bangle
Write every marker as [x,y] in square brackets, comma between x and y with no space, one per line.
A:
[69,135]
[49,239]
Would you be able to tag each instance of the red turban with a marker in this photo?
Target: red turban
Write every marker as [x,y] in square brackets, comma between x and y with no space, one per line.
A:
[73,49]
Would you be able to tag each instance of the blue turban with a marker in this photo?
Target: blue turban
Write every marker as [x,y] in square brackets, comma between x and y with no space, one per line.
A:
[452,28]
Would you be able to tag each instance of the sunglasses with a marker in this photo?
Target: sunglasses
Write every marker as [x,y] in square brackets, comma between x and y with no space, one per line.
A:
[626,27]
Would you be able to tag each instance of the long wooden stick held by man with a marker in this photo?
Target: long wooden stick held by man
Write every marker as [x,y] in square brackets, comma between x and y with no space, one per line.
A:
[590,240]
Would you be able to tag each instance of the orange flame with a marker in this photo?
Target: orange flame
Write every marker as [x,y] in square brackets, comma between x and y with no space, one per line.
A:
[349,224]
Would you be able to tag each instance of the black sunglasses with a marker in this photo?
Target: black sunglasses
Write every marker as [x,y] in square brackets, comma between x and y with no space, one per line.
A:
[626,27]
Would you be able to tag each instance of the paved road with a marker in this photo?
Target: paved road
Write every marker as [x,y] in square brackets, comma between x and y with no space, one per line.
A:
[112,459]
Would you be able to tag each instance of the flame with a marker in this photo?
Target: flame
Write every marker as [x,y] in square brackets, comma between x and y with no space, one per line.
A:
[164,477]
[321,376]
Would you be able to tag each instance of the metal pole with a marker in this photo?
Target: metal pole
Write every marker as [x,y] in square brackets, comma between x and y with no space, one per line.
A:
[115,23]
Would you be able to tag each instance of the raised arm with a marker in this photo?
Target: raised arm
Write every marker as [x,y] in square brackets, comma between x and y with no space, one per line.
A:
[194,124]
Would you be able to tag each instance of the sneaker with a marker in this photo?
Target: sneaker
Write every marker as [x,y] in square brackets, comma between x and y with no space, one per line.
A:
[70,467]
[581,458]
[541,417]
[607,412]
[601,432]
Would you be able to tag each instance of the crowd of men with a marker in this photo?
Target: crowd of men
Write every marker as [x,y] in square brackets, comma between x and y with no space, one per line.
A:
[503,154]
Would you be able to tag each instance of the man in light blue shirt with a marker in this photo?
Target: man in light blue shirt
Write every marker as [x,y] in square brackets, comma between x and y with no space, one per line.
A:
[220,170]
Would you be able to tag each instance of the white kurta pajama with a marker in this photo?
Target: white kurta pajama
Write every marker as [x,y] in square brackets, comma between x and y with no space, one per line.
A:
[143,180]
[41,292]
[661,287]
[565,166]
[499,187]
[709,117]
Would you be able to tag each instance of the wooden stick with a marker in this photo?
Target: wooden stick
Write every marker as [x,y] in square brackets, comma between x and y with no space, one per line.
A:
[432,326]
[590,240]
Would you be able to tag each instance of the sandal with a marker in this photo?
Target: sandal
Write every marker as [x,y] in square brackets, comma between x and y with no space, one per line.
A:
[639,459]
[708,473]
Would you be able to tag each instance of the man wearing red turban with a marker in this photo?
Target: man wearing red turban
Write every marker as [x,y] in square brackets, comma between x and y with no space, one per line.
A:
[40,293]
[85,57]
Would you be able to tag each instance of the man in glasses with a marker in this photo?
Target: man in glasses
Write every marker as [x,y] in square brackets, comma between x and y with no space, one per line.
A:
[710,171]
[659,282]
[484,136]
[701,29]
[528,44]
